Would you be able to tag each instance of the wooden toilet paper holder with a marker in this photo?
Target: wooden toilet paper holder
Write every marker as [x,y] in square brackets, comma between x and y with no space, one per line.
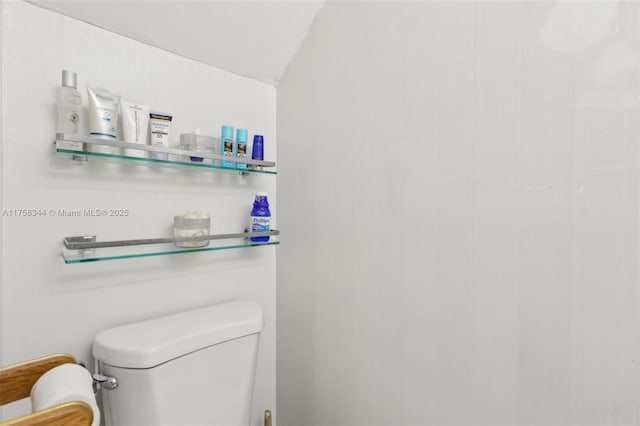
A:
[16,382]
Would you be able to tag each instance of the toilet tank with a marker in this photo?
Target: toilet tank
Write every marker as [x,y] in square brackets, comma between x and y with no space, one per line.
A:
[192,368]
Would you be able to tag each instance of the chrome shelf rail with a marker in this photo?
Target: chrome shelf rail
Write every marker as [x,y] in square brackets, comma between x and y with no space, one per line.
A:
[89,242]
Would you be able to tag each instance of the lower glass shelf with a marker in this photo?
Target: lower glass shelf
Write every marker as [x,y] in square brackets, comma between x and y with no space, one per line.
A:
[80,250]
[102,254]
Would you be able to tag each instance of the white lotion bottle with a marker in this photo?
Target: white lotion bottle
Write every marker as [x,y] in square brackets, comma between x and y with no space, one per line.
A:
[160,125]
[69,112]
[69,104]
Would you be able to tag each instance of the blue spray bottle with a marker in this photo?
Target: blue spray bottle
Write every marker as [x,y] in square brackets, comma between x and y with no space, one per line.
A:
[242,138]
[227,146]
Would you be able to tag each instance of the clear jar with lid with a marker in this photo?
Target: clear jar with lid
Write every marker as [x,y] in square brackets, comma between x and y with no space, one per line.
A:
[195,142]
[191,224]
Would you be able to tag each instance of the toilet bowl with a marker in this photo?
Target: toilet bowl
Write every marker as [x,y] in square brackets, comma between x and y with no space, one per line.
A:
[191,368]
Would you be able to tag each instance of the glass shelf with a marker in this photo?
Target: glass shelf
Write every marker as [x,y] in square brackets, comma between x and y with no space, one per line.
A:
[86,249]
[78,147]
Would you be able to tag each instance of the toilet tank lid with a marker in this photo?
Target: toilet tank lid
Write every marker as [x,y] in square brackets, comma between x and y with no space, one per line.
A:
[146,344]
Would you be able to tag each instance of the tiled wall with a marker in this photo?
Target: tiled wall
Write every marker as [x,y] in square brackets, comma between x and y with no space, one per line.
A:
[459,191]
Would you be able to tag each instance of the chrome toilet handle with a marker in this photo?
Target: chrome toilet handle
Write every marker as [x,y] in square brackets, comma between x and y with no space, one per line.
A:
[107,382]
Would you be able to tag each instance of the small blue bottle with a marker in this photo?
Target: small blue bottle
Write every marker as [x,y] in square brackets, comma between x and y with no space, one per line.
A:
[260,217]
[227,146]
[257,150]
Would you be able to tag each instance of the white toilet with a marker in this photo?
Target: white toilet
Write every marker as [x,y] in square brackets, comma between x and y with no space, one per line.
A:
[193,368]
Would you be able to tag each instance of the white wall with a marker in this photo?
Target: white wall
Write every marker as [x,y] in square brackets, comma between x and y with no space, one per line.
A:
[48,306]
[458,189]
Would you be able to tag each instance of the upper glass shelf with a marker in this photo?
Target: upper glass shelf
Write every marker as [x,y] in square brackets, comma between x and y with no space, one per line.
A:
[79,146]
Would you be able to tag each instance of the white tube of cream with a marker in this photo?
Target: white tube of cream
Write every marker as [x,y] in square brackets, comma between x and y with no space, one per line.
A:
[103,117]
[160,125]
[135,126]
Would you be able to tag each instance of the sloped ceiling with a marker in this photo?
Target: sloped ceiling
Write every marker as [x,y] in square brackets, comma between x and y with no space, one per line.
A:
[256,39]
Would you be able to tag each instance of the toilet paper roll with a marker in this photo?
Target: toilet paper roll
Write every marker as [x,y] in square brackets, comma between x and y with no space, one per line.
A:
[65,383]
